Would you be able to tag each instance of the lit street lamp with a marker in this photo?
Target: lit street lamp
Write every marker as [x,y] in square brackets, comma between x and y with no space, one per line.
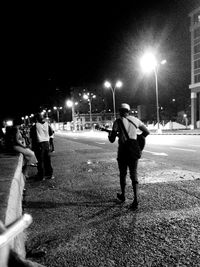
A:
[89,98]
[57,111]
[23,119]
[71,104]
[186,120]
[117,85]
[148,63]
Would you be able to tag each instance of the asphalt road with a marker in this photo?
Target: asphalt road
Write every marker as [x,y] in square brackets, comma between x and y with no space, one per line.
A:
[77,221]
[179,150]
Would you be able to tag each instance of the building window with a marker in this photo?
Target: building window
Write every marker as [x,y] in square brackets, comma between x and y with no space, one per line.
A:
[197,64]
[197,78]
[196,48]
[94,118]
[196,33]
[196,18]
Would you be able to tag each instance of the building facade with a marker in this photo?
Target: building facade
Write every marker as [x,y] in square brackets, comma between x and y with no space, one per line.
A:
[195,68]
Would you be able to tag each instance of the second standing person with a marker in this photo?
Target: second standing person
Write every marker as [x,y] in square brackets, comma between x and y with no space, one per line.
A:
[39,134]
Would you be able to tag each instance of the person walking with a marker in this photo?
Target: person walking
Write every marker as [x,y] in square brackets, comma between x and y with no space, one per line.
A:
[125,128]
[39,134]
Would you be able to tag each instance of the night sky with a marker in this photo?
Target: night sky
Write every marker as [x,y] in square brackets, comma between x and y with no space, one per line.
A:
[49,48]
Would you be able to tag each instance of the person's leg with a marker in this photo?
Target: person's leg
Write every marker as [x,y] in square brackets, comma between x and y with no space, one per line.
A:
[30,156]
[47,161]
[134,178]
[122,175]
[40,157]
[25,171]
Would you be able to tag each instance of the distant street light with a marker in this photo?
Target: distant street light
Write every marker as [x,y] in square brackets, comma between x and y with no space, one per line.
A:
[149,63]
[186,120]
[117,85]
[9,123]
[57,111]
[23,119]
[71,104]
[89,98]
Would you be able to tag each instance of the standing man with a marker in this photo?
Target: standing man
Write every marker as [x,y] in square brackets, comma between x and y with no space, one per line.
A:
[39,134]
[129,151]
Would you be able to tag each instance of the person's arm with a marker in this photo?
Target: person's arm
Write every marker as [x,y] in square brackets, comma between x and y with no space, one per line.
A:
[113,134]
[144,130]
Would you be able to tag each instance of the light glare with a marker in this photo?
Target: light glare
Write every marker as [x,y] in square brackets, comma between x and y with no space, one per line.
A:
[69,103]
[107,84]
[148,62]
[118,84]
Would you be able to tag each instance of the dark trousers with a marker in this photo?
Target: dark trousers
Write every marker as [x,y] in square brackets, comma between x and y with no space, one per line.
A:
[44,161]
[124,165]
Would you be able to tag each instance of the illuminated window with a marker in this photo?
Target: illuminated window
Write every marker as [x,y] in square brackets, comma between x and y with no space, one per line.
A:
[199,18]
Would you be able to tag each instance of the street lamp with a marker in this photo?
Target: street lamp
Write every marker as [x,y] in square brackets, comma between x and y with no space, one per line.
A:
[89,98]
[71,104]
[117,85]
[57,111]
[186,120]
[148,63]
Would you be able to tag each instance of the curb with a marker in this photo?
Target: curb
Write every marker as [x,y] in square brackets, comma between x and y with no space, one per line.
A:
[176,134]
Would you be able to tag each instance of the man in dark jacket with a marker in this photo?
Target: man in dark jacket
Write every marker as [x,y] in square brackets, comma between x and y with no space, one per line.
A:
[129,150]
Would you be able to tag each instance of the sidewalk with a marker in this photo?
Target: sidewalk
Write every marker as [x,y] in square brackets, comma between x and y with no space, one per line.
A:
[179,132]
[77,221]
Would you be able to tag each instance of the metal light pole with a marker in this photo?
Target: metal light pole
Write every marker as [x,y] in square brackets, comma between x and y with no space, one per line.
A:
[71,105]
[117,85]
[58,114]
[149,63]
[89,98]
[157,104]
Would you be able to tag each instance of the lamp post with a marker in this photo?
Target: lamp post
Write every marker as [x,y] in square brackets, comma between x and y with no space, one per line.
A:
[186,120]
[58,114]
[148,63]
[71,104]
[117,85]
[23,119]
[89,97]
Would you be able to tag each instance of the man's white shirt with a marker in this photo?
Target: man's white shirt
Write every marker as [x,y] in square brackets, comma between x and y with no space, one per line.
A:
[42,130]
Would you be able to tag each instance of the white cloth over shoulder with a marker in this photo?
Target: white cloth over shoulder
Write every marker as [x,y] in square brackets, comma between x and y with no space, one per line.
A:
[130,128]
[42,130]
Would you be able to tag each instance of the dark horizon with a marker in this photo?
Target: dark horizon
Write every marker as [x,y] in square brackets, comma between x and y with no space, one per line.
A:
[53,48]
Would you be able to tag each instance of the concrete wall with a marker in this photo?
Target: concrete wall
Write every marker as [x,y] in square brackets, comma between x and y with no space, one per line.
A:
[11,194]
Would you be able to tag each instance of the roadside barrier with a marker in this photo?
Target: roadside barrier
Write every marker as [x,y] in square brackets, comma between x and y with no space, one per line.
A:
[8,234]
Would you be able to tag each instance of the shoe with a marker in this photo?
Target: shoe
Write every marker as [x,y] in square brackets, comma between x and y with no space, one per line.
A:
[134,205]
[121,197]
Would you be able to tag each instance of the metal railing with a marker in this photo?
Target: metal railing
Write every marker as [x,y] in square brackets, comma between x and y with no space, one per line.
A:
[8,234]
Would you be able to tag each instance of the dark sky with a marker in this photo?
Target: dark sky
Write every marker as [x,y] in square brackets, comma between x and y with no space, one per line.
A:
[81,43]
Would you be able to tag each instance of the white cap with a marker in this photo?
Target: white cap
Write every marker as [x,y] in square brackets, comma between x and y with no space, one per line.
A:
[125,106]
